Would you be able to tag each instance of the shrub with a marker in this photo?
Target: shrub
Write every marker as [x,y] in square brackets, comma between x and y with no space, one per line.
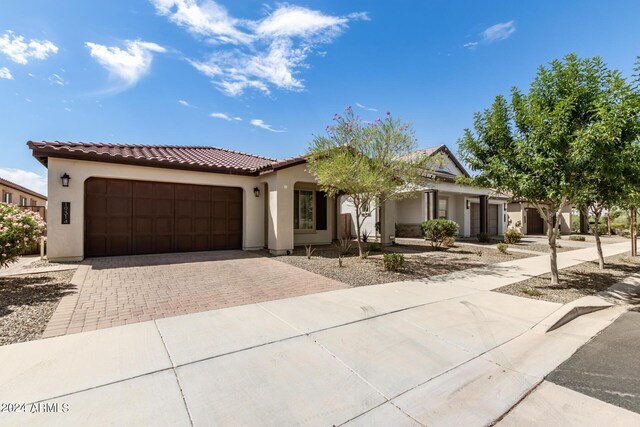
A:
[449,242]
[437,230]
[375,247]
[19,229]
[344,246]
[483,237]
[478,252]
[365,235]
[365,255]
[309,250]
[502,247]
[577,238]
[392,262]
[558,236]
[532,292]
[512,236]
[602,229]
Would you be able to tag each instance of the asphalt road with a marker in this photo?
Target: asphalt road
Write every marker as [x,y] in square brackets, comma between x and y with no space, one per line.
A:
[608,367]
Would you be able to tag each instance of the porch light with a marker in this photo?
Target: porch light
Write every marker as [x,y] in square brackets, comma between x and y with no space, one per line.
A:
[256,191]
[65,179]
[468,204]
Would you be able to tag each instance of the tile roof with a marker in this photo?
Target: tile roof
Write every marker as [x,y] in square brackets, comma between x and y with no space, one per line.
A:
[15,186]
[172,156]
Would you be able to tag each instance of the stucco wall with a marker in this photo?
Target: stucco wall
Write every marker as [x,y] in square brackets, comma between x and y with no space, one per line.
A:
[369,224]
[16,194]
[66,241]
[410,211]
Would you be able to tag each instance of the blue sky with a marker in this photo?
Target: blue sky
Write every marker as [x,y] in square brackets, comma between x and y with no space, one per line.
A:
[263,77]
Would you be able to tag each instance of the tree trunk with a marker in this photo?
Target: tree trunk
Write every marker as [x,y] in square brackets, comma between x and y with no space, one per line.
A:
[596,234]
[634,231]
[555,279]
[609,223]
[358,226]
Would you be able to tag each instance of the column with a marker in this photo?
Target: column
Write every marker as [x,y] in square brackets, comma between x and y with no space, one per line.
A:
[484,207]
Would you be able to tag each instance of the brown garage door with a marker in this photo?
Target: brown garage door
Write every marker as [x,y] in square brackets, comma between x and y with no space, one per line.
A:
[475,219]
[138,217]
[535,223]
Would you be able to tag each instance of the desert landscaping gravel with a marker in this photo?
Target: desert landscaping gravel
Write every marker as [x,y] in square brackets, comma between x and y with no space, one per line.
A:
[576,282]
[420,263]
[28,301]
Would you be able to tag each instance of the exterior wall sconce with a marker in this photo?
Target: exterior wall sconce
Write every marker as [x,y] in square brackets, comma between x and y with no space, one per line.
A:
[65,179]
[256,191]
[468,204]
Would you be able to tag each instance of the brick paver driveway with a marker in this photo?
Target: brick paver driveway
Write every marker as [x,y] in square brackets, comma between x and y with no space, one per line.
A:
[120,290]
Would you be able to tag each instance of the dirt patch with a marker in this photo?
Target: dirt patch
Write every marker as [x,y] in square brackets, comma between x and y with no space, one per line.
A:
[576,282]
[420,262]
[28,301]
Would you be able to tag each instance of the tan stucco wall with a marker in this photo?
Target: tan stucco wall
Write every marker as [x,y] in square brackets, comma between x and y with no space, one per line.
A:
[66,241]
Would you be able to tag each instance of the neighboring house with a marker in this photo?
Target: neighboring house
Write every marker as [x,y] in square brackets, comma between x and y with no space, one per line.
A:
[526,218]
[135,199]
[475,210]
[21,196]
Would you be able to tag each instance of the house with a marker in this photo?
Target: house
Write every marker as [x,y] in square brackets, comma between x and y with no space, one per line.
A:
[526,218]
[23,197]
[137,199]
[476,210]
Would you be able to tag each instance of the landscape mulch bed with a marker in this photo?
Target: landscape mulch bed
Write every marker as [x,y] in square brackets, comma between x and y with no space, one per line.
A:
[575,282]
[420,262]
[28,301]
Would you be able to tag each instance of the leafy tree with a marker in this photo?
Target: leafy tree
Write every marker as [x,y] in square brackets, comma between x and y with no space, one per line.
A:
[606,149]
[368,163]
[537,145]
[19,229]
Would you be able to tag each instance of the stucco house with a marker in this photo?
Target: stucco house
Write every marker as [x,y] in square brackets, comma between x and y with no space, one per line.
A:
[23,197]
[135,199]
[475,210]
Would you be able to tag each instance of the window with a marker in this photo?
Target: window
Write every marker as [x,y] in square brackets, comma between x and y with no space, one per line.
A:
[6,197]
[23,201]
[303,209]
[443,205]
[33,202]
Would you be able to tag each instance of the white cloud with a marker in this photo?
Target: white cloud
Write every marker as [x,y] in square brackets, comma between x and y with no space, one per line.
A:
[259,123]
[498,32]
[224,116]
[68,109]
[256,54]
[20,50]
[127,65]
[5,73]
[183,102]
[55,79]
[364,107]
[494,33]
[27,179]
[206,18]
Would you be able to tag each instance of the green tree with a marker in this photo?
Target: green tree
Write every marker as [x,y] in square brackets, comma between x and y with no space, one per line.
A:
[536,146]
[606,147]
[368,163]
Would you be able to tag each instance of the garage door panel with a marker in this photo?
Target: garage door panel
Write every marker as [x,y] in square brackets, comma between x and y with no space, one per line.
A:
[492,219]
[130,217]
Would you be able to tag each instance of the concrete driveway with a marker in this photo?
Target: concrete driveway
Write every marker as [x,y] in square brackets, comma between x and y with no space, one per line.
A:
[445,353]
[116,291]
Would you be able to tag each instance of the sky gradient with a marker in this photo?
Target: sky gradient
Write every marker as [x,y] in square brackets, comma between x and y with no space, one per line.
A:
[265,77]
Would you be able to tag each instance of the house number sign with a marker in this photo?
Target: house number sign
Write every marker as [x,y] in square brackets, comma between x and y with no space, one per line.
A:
[66,212]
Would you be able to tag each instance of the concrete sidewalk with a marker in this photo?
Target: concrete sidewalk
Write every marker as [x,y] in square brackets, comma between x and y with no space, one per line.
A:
[444,352]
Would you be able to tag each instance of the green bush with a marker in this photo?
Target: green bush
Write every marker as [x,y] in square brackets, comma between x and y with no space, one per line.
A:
[577,238]
[437,230]
[558,236]
[19,229]
[602,229]
[502,247]
[392,262]
[375,247]
[512,236]
[449,242]
[483,237]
